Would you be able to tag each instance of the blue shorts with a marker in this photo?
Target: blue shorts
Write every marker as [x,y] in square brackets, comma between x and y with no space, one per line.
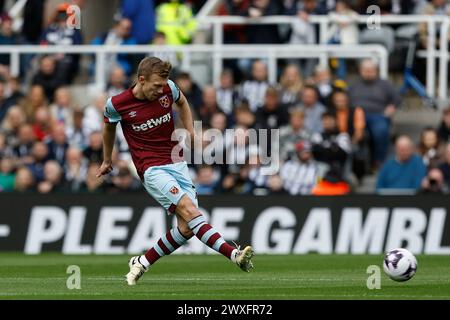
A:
[168,183]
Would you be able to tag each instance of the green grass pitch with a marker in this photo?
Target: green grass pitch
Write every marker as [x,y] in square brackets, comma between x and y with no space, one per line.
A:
[213,277]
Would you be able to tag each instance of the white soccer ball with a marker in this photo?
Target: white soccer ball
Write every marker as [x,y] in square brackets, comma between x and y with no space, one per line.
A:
[400,264]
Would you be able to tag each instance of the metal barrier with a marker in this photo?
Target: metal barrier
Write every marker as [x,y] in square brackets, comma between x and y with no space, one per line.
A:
[218,52]
[324,21]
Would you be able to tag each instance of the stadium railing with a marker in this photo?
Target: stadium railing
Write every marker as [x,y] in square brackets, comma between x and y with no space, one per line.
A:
[218,52]
[430,54]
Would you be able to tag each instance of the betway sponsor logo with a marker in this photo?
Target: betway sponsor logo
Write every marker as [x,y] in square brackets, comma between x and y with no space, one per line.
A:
[275,230]
[151,123]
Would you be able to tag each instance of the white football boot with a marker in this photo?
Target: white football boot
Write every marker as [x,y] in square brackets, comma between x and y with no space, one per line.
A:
[243,258]
[136,271]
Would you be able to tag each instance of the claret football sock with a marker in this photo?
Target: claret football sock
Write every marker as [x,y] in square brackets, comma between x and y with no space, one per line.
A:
[167,244]
[209,236]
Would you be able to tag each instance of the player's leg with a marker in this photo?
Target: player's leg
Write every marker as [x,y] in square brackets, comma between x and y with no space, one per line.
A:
[206,233]
[160,185]
[167,244]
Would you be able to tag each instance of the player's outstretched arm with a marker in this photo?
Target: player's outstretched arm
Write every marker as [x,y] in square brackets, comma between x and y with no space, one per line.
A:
[109,135]
[186,115]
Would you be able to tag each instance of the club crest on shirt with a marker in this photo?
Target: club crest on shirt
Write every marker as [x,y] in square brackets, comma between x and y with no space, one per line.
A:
[173,190]
[164,101]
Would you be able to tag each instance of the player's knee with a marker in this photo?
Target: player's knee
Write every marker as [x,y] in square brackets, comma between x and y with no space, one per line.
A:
[185,231]
[187,209]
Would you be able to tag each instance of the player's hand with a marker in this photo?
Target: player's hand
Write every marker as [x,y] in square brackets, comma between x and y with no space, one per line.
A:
[105,168]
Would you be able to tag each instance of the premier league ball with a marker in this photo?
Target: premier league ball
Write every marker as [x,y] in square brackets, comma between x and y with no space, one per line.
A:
[400,264]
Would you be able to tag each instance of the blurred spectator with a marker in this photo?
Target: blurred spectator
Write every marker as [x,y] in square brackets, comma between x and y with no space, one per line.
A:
[48,76]
[75,169]
[309,7]
[312,109]
[118,81]
[323,81]
[141,12]
[445,166]
[237,148]
[61,110]
[33,21]
[176,20]
[77,134]
[92,184]
[219,121]
[14,119]
[262,33]
[272,114]
[227,95]
[206,180]
[58,33]
[301,172]
[275,184]
[34,101]
[405,171]
[254,90]
[244,117]
[434,183]
[53,178]
[24,145]
[293,133]
[331,146]
[238,183]
[7,36]
[234,33]
[42,124]
[13,89]
[190,89]
[379,99]
[304,32]
[57,144]
[170,56]
[93,114]
[6,174]
[353,122]
[291,85]
[434,7]
[209,106]
[124,181]
[343,30]
[444,127]
[94,151]
[6,101]
[119,35]
[349,119]
[5,150]
[24,180]
[256,175]
[40,156]
[430,147]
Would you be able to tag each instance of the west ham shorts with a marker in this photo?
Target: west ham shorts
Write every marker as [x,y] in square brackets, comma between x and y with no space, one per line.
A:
[168,183]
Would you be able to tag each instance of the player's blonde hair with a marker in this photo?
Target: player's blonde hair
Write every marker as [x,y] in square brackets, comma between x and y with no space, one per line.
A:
[154,65]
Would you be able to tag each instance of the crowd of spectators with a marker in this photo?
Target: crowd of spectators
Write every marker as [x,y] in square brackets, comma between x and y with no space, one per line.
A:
[333,132]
